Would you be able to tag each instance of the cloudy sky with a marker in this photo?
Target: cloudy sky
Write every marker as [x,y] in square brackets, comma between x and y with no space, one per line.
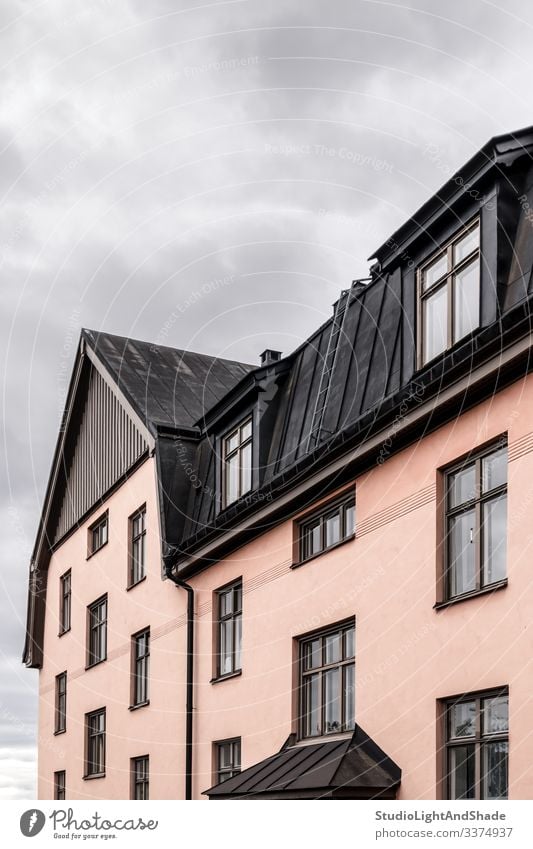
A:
[208,175]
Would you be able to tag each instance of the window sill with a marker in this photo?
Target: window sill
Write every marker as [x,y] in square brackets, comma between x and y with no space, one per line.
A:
[94,775]
[342,542]
[474,594]
[96,550]
[228,675]
[323,738]
[136,584]
[140,705]
[60,731]
[96,663]
[62,633]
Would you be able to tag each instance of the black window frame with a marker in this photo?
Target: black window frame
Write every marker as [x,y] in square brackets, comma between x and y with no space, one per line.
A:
[304,673]
[480,739]
[224,773]
[227,455]
[65,602]
[480,497]
[60,707]
[140,668]
[235,616]
[136,566]
[96,539]
[140,780]
[93,768]
[95,628]
[319,518]
[446,281]
[60,785]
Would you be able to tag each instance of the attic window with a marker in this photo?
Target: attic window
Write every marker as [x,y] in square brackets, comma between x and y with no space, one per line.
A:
[449,295]
[98,534]
[237,462]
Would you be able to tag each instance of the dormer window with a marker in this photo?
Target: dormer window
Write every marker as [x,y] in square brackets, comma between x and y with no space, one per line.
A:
[449,294]
[237,462]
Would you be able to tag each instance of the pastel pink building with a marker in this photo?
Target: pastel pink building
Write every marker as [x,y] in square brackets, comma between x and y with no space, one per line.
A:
[311,578]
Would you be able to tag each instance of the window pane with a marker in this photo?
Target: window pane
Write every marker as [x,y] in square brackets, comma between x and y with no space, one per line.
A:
[494,470]
[349,643]
[226,602]
[332,645]
[312,706]
[496,715]
[232,479]
[462,772]
[435,271]
[224,755]
[495,770]
[232,442]
[333,702]
[349,697]
[246,469]
[462,486]
[350,520]
[465,246]
[311,539]
[462,718]
[333,529]
[312,654]
[462,576]
[466,301]
[246,431]
[494,540]
[226,646]
[238,641]
[435,324]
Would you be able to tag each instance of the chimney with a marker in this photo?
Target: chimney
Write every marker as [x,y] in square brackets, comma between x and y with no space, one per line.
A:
[269,356]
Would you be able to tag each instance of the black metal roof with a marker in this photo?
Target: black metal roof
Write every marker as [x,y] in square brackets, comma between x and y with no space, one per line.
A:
[353,767]
[167,386]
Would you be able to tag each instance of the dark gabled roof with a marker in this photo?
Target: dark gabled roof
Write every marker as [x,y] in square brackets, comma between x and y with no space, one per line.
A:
[353,767]
[167,386]
[370,365]
[498,152]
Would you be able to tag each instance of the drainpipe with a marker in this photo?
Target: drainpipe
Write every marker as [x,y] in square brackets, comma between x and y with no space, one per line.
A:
[190,680]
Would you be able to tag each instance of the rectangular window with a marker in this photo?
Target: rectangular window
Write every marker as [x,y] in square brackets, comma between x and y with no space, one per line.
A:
[140,777]
[229,601]
[95,743]
[137,546]
[237,462]
[140,646]
[65,597]
[333,524]
[449,293]
[60,788]
[476,522]
[227,759]
[327,682]
[61,703]
[98,534]
[477,746]
[97,628]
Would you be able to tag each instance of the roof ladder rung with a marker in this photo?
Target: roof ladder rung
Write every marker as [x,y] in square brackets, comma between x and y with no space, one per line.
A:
[327,370]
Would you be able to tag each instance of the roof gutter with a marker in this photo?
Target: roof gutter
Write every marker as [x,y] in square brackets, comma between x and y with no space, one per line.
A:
[189,681]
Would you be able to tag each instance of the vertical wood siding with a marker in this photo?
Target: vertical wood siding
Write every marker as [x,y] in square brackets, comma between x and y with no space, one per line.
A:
[107,444]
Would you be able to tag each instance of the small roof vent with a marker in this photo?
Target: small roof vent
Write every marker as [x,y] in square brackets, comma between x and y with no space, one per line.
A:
[270,356]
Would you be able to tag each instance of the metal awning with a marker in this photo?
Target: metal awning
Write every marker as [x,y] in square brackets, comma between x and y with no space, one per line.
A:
[346,768]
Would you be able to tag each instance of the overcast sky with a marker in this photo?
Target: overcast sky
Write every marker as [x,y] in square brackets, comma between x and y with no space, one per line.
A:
[209,176]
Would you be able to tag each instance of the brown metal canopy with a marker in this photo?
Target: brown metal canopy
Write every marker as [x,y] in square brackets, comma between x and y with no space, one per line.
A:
[349,768]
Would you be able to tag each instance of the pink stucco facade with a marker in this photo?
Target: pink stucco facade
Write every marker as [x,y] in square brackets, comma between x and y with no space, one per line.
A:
[408,656]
